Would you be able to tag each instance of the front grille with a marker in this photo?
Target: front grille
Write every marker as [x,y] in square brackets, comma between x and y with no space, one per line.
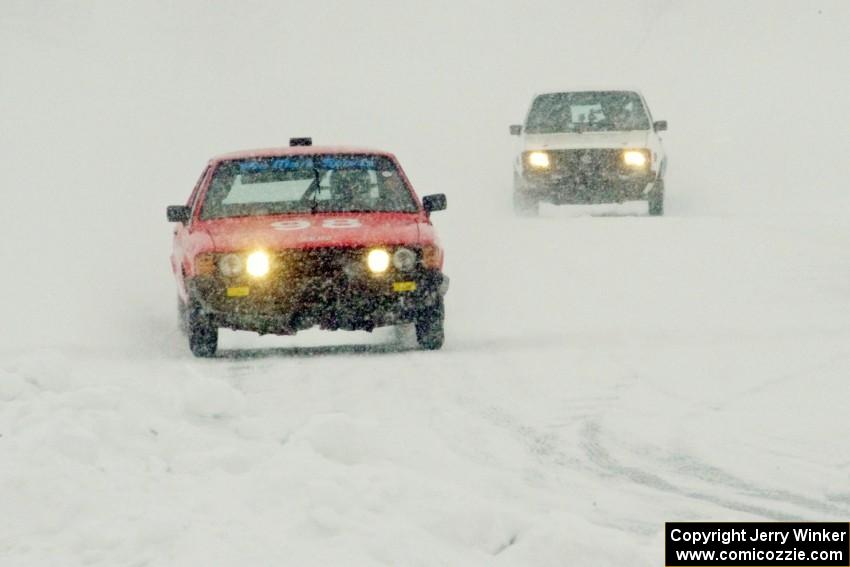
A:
[330,262]
[318,262]
[604,159]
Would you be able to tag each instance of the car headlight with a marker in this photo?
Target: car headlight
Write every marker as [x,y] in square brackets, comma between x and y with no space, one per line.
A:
[538,159]
[404,259]
[257,264]
[230,265]
[378,260]
[634,158]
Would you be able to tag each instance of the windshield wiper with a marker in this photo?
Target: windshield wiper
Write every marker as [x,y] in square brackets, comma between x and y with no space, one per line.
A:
[312,192]
[315,204]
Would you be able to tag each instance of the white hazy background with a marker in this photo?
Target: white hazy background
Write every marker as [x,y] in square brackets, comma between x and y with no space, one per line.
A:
[108,111]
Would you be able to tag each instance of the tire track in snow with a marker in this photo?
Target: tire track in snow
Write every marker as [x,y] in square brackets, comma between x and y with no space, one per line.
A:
[690,467]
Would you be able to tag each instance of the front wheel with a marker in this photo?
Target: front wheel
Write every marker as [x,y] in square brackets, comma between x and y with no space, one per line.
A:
[524,204]
[182,317]
[429,326]
[656,199]
[203,333]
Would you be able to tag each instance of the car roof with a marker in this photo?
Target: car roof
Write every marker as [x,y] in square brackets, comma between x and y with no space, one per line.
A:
[298,151]
[589,90]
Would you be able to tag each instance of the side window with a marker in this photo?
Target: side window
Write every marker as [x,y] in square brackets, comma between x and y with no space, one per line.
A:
[191,202]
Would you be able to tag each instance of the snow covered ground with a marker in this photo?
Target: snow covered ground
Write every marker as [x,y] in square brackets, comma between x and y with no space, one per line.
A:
[604,372]
[689,368]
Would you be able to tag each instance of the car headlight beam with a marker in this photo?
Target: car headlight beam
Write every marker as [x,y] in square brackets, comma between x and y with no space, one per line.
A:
[257,264]
[634,158]
[538,160]
[378,260]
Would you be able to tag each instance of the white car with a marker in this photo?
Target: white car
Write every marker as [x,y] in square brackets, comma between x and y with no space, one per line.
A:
[587,147]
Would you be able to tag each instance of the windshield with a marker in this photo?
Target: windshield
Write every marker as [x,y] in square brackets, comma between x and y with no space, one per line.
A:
[298,184]
[586,111]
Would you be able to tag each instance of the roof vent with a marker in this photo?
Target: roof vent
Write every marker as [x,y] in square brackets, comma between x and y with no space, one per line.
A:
[300,141]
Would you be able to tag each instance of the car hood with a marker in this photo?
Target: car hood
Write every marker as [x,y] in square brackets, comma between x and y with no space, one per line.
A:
[282,232]
[587,140]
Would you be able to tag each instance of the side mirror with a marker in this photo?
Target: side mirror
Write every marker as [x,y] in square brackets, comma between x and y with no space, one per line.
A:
[659,126]
[516,129]
[433,203]
[178,213]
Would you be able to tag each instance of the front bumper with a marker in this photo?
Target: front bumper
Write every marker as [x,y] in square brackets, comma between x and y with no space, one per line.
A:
[284,305]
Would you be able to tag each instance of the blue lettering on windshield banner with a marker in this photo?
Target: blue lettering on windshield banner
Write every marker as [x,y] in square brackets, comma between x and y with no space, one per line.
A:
[252,166]
[296,163]
[346,163]
[278,164]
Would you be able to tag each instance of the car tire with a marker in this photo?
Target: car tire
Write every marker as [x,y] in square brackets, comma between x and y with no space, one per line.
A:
[203,333]
[656,199]
[182,317]
[429,326]
[524,204]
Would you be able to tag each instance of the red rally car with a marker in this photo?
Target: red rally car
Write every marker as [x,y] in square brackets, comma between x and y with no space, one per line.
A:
[281,240]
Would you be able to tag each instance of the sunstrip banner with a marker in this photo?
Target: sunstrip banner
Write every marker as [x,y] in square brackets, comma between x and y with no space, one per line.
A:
[295,163]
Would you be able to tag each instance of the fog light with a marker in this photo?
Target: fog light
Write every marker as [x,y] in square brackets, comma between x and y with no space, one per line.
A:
[378,260]
[257,264]
[230,265]
[404,259]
